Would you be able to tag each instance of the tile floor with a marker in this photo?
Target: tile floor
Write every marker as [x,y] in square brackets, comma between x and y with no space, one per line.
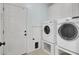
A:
[38,52]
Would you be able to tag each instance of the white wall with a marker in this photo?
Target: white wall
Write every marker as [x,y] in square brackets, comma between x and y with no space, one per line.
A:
[37,13]
[75,9]
[63,10]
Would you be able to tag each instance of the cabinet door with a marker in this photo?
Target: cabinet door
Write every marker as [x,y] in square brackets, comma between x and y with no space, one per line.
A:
[37,36]
[15,36]
[1,29]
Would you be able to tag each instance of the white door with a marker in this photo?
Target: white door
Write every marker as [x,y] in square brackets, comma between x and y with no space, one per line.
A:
[1,29]
[15,30]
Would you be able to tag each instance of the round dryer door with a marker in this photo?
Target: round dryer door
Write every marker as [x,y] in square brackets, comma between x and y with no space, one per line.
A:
[68,31]
[47,29]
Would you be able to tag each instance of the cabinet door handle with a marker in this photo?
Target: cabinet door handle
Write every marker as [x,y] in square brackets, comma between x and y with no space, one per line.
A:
[25,31]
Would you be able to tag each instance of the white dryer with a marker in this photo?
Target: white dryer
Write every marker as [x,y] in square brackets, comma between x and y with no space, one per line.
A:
[48,31]
[68,34]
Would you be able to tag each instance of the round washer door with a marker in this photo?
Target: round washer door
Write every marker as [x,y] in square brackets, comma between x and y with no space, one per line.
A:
[47,29]
[68,31]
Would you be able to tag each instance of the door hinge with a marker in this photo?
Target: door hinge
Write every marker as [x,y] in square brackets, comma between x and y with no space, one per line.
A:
[3,32]
[3,8]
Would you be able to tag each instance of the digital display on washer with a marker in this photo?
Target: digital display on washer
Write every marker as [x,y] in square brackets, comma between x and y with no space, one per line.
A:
[47,29]
[68,31]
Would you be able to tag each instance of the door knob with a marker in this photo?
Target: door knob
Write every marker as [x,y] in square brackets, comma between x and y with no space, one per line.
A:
[2,43]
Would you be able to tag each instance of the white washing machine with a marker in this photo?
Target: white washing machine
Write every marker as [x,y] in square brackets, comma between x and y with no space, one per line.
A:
[68,34]
[48,31]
